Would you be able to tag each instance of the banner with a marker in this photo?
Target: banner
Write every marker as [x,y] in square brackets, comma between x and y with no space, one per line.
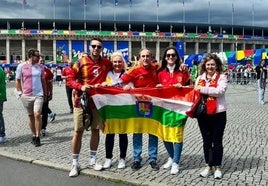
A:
[157,111]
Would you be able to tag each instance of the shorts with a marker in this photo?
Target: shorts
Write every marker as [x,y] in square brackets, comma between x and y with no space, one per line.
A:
[97,122]
[32,104]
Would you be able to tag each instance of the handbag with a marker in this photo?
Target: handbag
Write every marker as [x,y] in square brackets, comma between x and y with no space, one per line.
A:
[201,108]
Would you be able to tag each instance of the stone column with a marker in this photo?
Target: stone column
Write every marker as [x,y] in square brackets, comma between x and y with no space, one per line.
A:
[8,50]
[23,56]
[54,51]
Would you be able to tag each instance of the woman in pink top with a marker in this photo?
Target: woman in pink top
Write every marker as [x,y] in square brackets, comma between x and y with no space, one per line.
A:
[212,84]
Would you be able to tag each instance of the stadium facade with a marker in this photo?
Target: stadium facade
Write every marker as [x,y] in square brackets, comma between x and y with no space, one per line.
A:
[59,39]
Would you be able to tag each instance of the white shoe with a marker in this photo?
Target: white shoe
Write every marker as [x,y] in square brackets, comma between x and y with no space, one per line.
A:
[205,173]
[121,164]
[97,167]
[174,168]
[74,171]
[3,139]
[168,163]
[217,174]
[107,164]
[92,162]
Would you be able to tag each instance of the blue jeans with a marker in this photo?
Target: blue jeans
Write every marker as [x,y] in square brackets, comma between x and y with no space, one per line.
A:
[2,122]
[152,147]
[174,150]
[261,91]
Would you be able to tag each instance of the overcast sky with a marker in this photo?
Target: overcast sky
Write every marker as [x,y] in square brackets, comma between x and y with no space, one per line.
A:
[238,12]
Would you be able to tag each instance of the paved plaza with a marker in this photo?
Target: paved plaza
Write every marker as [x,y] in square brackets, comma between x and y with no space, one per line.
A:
[245,160]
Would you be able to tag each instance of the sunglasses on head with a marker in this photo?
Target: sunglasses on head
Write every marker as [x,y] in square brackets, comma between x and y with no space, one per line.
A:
[96,46]
[171,55]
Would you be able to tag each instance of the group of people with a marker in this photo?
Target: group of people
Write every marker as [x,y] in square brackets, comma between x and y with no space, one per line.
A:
[93,71]
[34,86]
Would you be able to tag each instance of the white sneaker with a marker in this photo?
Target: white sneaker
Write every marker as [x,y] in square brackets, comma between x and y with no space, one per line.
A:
[217,174]
[121,164]
[205,173]
[107,164]
[92,162]
[168,163]
[97,167]
[74,171]
[3,139]
[174,168]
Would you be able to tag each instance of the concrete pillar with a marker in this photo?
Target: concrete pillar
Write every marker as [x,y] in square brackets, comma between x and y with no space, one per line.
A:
[129,50]
[196,48]
[8,50]
[209,47]
[54,51]
[85,46]
[23,56]
[70,49]
[157,51]
[143,43]
[39,45]
[243,46]
[115,44]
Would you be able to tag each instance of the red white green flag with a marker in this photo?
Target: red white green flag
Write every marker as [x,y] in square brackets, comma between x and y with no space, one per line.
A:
[157,111]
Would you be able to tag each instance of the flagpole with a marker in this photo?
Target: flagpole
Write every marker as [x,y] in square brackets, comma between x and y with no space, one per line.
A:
[54,13]
[253,15]
[208,12]
[232,13]
[130,5]
[115,5]
[157,28]
[69,9]
[85,7]
[183,16]
[100,5]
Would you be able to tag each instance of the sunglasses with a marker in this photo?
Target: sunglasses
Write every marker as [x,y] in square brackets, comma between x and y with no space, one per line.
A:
[96,46]
[171,55]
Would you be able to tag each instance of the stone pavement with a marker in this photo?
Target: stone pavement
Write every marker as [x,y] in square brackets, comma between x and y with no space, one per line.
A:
[245,160]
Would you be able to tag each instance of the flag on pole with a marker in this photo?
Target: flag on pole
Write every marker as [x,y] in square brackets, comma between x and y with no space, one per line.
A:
[130,3]
[85,2]
[182,3]
[115,2]
[233,7]
[157,2]
[24,2]
[160,112]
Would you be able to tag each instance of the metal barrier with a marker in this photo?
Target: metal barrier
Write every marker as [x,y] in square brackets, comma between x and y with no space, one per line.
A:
[239,78]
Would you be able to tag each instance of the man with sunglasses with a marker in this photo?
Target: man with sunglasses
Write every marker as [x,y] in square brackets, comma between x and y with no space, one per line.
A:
[89,72]
[31,87]
[143,75]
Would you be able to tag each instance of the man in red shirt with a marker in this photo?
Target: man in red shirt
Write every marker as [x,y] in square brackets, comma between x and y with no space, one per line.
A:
[143,75]
[89,72]
[69,91]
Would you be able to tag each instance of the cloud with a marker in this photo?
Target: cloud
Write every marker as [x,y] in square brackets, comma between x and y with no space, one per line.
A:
[195,11]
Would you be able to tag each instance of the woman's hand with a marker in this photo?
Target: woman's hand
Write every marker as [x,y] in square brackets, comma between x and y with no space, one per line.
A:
[178,85]
[159,85]
[126,87]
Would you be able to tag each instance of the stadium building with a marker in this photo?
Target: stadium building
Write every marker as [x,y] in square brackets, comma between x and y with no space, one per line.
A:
[59,40]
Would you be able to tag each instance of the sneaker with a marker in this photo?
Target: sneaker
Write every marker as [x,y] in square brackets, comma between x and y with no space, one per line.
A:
[37,142]
[121,164]
[97,167]
[217,174]
[92,162]
[174,168]
[52,117]
[154,165]
[107,164]
[3,139]
[136,165]
[74,171]
[205,173]
[43,132]
[168,163]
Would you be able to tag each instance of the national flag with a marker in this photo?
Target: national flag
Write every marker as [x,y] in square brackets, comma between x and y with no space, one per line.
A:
[233,7]
[69,2]
[130,3]
[100,2]
[24,2]
[115,2]
[157,2]
[182,3]
[85,2]
[157,111]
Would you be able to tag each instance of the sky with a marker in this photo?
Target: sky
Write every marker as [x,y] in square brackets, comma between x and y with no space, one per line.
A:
[237,12]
